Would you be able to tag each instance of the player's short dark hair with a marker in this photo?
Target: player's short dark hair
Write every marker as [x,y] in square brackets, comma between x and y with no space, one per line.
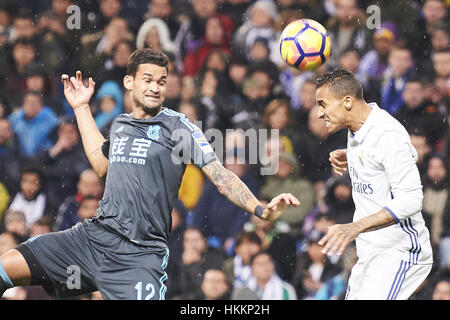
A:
[342,82]
[143,56]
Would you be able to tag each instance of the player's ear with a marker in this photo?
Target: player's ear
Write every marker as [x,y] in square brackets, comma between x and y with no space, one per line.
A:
[348,102]
[128,82]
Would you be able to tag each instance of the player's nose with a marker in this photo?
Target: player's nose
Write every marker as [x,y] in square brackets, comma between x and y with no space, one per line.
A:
[320,113]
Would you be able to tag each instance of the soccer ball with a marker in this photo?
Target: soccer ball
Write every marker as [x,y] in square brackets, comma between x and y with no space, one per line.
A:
[305,44]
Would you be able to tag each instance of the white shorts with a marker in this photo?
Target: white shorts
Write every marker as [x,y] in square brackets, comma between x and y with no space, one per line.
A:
[385,278]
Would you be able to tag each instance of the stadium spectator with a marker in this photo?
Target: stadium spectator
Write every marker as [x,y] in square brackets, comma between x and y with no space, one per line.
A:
[259,22]
[87,209]
[32,198]
[347,29]
[277,241]
[313,269]
[217,36]
[107,10]
[400,68]
[237,267]
[288,178]
[265,282]
[53,45]
[9,240]
[109,100]
[193,31]
[164,10]
[420,142]
[236,74]
[15,222]
[314,147]
[63,162]
[336,287]
[33,125]
[258,92]
[36,78]
[278,116]
[214,286]
[442,290]
[307,100]
[97,47]
[416,112]
[436,197]
[155,34]
[219,219]
[173,93]
[375,61]
[41,226]
[197,257]
[115,67]
[9,157]
[179,217]
[89,184]
[23,52]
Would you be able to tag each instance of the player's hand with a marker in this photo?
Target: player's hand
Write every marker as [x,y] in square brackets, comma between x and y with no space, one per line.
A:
[338,159]
[76,93]
[338,237]
[278,205]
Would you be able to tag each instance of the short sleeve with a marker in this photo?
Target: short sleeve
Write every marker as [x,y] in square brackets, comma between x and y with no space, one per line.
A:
[191,145]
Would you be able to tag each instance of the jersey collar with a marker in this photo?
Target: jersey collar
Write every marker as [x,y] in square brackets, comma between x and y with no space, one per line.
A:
[359,135]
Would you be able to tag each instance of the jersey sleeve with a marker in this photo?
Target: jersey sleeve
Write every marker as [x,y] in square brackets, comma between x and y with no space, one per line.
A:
[191,145]
[398,158]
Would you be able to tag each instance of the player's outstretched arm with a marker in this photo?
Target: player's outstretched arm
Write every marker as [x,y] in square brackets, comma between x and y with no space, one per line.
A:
[339,236]
[78,96]
[237,192]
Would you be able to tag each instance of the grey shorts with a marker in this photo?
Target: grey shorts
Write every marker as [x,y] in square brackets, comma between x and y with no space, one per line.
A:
[89,257]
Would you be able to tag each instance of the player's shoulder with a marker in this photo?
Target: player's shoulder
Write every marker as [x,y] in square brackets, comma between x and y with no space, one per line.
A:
[177,120]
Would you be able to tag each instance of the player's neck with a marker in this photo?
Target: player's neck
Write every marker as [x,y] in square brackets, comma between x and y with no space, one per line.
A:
[144,112]
[361,111]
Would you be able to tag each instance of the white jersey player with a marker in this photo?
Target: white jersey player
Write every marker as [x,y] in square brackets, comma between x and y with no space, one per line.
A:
[392,242]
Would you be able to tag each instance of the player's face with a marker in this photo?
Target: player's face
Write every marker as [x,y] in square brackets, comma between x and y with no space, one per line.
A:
[149,87]
[331,109]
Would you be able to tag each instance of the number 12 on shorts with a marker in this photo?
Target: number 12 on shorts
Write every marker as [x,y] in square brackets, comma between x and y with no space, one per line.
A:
[148,288]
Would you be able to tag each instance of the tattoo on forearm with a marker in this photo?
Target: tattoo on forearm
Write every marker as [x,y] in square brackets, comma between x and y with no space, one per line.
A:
[229,184]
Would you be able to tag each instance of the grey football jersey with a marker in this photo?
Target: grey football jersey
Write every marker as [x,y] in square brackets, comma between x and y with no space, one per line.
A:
[147,160]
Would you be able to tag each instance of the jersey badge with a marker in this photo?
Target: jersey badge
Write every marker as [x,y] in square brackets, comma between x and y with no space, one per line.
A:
[153,132]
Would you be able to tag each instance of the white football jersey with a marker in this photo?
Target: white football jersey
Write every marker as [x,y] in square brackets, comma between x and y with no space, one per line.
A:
[382,167]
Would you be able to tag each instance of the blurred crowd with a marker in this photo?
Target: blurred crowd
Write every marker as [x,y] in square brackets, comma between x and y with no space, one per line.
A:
[225,72]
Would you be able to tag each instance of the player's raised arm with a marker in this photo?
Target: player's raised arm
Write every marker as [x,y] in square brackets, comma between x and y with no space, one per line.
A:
[78,96]
[237,192]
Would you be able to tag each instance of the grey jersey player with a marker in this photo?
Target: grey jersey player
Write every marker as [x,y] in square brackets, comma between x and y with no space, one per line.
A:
[122,251]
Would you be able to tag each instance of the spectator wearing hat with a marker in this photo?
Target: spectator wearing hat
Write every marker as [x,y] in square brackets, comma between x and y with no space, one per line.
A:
[109,101]
[259,24]
[375,61]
